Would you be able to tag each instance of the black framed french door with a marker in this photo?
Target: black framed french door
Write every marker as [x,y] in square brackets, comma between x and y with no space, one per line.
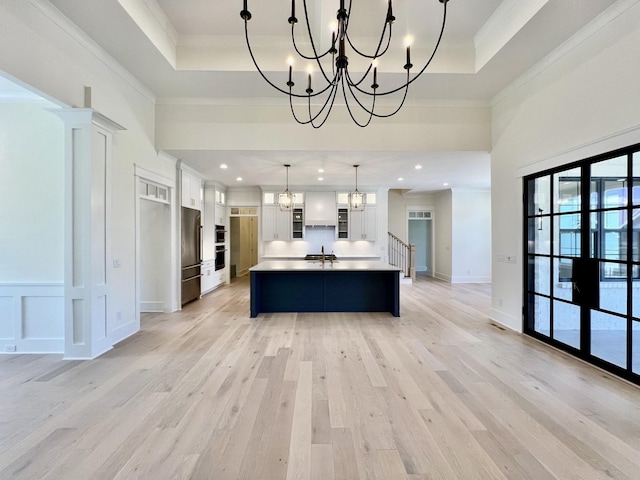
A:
[582,245]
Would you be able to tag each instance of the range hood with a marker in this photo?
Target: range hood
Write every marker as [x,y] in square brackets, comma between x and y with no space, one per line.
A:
[320,209]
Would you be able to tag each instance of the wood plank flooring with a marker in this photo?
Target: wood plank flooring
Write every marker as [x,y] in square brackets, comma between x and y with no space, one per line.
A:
[208,393]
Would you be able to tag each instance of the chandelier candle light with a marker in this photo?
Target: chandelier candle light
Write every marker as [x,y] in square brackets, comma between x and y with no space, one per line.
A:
[338,75]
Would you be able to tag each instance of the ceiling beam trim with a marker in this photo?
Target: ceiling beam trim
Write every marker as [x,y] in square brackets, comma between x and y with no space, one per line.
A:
[154,23]
[507,20]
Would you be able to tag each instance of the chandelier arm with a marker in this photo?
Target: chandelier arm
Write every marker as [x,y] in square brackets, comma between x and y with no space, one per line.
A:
[378,53]
[333,92]
[299,52]
[372,110]
[364,76]
[255,63]
[328,102]
[266,79]
[426,65]
[293,113]
[353,118]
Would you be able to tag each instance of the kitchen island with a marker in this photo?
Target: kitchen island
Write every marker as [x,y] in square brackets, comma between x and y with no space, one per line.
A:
[301,286]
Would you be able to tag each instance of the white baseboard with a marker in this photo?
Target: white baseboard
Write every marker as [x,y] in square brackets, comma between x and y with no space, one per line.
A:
[124,331]
[442,276]
[506,320]
[471,280]
[152,306]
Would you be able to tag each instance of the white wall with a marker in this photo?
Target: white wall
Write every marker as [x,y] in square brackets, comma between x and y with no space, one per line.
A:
[443,233]
[585,102]
[31,195]
[463,236]
[471,237]
[55,58]
[31,229]
[399,202]
[234,127]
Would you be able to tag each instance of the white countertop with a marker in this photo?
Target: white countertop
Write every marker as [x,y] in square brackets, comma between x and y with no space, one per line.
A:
[309,266]
[301,257]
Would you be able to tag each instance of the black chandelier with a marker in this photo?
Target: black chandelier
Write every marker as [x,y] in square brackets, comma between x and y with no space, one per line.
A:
[353,89]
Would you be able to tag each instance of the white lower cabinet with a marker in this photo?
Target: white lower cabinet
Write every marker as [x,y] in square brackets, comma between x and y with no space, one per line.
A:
[211,278]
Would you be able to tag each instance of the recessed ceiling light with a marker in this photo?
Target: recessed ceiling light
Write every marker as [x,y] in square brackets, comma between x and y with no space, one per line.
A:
[238,179]
[223,166]
[445,184]
[400,179]
[418,167]
[321,170]
[320,179]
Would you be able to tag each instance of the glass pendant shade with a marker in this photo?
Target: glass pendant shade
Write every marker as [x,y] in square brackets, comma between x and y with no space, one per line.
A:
[357,199]
[285,199]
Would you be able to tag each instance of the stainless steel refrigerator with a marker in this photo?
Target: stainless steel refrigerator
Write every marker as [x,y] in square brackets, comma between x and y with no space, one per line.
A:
[191,254]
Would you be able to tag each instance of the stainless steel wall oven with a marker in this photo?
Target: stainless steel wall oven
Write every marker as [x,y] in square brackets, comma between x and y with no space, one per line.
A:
[220,233]
[220,254]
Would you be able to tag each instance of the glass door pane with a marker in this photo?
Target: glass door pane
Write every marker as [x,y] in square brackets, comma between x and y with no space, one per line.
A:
[609,338]
[609,184]
[538,211]
[567,250]
[566,323]
[635,345]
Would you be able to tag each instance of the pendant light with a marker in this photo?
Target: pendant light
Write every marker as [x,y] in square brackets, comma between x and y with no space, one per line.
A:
[357,200]
[285,199]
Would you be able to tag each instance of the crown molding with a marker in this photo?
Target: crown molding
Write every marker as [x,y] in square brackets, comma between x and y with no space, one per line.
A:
[271,102]
[607,143]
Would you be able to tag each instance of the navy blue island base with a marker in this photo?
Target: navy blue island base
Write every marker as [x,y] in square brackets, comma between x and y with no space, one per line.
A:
[345,287]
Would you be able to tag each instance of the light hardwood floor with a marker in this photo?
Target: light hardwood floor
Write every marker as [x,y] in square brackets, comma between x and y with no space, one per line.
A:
[208,393]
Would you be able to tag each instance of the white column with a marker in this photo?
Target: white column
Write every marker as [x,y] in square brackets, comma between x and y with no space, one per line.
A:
[88,142]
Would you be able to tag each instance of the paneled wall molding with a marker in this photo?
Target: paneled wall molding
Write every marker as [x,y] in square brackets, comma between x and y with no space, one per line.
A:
[31,318]
[89,326]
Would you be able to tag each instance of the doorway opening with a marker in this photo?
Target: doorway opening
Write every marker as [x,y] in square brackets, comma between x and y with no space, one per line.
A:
[243,240]
[155,287]
[420,228]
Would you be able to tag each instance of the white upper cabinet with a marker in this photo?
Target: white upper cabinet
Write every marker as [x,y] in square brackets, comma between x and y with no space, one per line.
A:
[363,225]
[276,224]
[191,191]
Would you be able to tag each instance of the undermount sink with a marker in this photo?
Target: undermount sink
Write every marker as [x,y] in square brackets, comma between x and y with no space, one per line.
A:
[318,257]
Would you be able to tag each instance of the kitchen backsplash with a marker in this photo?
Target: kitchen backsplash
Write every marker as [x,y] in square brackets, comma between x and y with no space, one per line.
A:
[315,238]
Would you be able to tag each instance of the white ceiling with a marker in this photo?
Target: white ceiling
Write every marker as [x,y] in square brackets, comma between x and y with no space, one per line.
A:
[194,50]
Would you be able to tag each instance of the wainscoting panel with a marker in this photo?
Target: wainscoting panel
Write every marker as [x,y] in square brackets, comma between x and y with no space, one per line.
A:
[31,318]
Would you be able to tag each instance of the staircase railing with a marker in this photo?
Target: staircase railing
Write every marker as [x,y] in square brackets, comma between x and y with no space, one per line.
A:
[402,255]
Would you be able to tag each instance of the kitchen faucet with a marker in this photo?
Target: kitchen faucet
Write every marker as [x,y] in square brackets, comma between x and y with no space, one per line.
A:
[322,259]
